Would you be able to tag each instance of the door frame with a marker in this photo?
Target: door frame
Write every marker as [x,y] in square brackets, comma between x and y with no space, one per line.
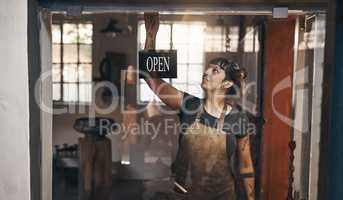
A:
[41,184]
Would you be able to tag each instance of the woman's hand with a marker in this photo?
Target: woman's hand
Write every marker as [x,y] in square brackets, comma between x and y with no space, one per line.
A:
[152,23]
[166,92]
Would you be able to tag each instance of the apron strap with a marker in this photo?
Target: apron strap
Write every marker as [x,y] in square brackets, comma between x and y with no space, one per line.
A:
[201,110]
[220,124]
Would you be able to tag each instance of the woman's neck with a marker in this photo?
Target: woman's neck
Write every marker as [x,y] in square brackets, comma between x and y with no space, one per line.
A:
[214,104]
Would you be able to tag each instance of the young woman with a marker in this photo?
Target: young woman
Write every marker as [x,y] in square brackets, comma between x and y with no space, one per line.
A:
[214,131]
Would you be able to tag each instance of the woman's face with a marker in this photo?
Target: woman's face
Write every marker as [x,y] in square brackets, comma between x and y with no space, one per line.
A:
[214,79]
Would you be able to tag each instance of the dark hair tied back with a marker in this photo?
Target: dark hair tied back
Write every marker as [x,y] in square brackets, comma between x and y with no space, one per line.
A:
[233,73]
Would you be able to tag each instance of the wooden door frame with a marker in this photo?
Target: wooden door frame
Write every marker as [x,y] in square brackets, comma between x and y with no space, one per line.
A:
[37,147]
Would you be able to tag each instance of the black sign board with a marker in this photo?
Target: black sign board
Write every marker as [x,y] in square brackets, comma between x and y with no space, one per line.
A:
[162,62]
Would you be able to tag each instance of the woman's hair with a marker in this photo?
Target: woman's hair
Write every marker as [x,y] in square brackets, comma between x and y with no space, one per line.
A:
[233,73]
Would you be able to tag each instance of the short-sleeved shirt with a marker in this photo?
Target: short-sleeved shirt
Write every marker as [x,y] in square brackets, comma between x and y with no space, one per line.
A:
[235,123]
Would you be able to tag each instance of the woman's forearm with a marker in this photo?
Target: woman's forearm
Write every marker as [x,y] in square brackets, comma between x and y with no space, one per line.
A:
[246,167]
[166,92]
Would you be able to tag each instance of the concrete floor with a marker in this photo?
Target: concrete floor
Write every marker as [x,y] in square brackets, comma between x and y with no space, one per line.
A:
[131,184]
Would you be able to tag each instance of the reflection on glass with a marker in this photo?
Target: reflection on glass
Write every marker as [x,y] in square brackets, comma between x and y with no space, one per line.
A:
[70,73]
[69,33]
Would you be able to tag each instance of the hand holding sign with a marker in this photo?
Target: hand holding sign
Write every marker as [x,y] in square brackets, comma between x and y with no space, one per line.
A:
[158,63]
[152,23]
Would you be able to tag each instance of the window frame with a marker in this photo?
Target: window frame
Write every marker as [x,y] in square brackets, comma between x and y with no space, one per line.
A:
[171,46]
[62,102]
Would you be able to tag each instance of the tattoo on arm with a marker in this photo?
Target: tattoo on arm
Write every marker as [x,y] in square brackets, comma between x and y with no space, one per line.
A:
[246,167]
[250,189]
[244,144]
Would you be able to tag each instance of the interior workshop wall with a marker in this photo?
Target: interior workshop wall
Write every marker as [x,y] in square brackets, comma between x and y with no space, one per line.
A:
[14,102]
[63,131]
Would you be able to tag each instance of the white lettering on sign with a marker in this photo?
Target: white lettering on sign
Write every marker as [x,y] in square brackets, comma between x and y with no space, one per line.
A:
[159,64]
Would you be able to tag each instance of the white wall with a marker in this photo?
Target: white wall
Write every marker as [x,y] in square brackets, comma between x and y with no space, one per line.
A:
[14,102]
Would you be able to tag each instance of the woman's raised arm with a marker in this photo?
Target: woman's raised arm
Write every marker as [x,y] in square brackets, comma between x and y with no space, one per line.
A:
[171,96]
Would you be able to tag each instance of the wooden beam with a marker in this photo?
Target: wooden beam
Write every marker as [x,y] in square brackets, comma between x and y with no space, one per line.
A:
[277,133]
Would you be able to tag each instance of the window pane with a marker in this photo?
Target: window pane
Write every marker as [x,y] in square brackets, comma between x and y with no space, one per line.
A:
[181,74]
[256,42]
[162,46]
[188,39]
[141,46]
[56,91]
[142,33]
[182,53]
[195,90]
[196,34]
[234,37]
[180,86]
[56,53]
[163,37]
[69,53]
[85,73]
[180,33]
[56,33]
[70,92]
[249,39]
[214,39]
[56,73]
[85,92]
[85,33]
[69,33]
[70,73]
[85,53]
[146,94]
[195,74]
[196,53]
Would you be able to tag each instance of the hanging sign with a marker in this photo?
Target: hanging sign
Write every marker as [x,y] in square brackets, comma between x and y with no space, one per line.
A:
[162,62]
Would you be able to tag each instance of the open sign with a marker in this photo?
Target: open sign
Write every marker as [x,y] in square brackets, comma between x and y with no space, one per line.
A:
[162,62]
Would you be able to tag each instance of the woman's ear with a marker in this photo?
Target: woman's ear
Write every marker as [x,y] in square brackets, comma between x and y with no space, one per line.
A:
[227,84]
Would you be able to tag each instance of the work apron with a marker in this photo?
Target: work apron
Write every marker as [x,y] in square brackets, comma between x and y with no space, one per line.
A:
[206,149]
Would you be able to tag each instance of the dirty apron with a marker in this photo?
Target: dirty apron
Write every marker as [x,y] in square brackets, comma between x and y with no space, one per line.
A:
[211,176]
